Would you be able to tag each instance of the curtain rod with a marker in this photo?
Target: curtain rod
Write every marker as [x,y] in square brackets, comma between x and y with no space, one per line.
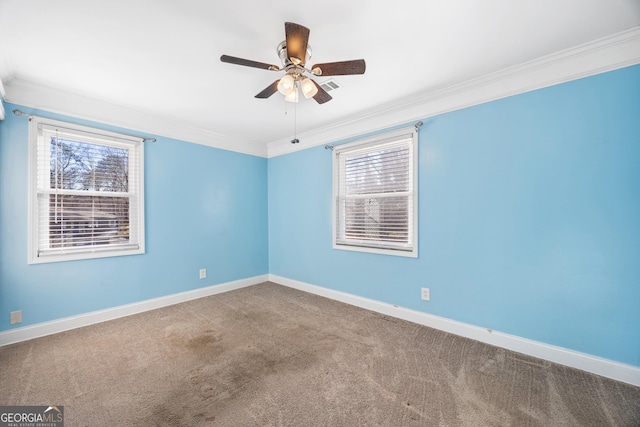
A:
[20,113]
[417,126]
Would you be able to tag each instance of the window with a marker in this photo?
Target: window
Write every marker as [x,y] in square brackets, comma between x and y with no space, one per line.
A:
[86,192]
[375,194]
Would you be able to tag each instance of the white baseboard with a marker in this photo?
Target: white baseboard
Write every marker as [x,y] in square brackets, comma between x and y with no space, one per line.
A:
[596,365]
[47,328]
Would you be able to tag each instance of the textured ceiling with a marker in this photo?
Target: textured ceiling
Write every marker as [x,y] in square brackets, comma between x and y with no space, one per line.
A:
[162,57]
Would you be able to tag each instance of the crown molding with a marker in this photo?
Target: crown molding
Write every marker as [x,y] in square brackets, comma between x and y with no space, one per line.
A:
[2,96]
[6,71]
[1,100]
[606,54]
[56,101]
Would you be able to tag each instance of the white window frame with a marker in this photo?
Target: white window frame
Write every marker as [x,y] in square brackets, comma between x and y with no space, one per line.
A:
[364,144]
[135,147]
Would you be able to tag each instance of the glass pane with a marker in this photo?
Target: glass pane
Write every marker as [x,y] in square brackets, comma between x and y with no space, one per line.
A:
[87,220]
[384,171]
[82,166]
[383,219]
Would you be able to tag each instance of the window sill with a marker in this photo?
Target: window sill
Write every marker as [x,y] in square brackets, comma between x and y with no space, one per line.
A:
[84,255]
[380,251]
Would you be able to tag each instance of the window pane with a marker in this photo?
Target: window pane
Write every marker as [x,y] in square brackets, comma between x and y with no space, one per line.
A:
[86,220]
[82,166]
[384,171]
[384,219]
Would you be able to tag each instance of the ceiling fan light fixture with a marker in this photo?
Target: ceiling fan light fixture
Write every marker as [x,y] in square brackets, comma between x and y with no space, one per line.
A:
[309,89]
[287,85]
[292,96]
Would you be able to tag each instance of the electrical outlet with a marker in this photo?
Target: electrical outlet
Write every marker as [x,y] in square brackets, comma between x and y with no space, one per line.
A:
[15,317]
[203,273]
[426,294]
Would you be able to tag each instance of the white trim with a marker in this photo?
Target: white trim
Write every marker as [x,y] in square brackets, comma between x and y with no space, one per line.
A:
[2,94]
[595,365]
[47,328]
[606,54]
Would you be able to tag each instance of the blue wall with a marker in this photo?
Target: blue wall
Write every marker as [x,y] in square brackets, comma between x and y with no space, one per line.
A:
[529,219]
[205,208]
[528,224]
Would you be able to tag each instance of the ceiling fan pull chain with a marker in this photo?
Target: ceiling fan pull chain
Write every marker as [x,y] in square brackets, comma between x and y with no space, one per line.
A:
[295,139]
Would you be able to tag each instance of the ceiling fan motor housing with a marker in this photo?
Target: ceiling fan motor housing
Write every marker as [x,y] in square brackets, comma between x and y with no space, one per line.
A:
[284,56]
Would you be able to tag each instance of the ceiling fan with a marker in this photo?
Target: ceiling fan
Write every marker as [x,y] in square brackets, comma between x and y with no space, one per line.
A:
[295,52]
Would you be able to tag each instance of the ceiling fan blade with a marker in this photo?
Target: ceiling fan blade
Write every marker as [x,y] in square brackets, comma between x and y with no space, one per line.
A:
[344,68]
[297,39]
[248,63]
[322,96]
[269,90]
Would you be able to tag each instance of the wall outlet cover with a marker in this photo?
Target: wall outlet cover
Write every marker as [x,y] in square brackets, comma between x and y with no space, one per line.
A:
[15,317]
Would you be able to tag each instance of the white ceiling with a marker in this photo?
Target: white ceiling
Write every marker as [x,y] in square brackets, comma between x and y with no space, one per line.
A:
[161,57]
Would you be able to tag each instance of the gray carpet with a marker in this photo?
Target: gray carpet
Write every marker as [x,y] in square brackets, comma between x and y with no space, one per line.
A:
[268,355]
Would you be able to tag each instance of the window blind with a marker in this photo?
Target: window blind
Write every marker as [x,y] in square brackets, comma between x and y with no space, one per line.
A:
[375,194]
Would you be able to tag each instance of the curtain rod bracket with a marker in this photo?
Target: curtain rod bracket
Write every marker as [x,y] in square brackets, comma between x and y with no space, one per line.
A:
[328,147]
[20,113]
